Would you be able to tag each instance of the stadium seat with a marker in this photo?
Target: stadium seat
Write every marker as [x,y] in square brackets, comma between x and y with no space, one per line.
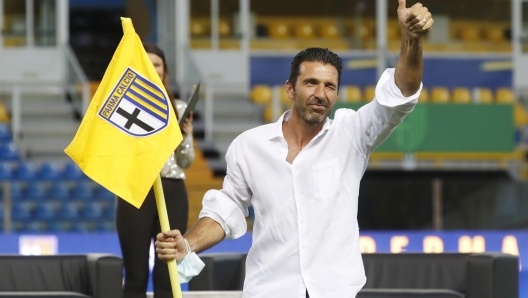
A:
[5,133]
[1,211]
[4,113]
[49,170]
[352,93]
[45,211]
[59,191]
[104,194]
[461,95]
[369,93]
[278,30]
[26,171]
[58,226]
[6,172]
[329,31]
[283,95]
[21,210]
[92,210]
[83,191]
[484,95]
[424,96]
[393,33]
[69,210]
[224,28]
[110,211]
[72,171]
[505,95]
[199,27]
[36,191]
[470,33]
[105,226]
[495,34]
[304,30]
[440,95]
[81,227]
[520,116]
[34,227]
[261,94]
[9,152]
[17,192]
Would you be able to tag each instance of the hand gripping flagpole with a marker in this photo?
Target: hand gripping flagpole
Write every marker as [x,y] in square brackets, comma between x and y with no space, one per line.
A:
[164,221]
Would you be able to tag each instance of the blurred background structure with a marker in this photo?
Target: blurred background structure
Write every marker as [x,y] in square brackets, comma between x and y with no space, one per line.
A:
[459,162]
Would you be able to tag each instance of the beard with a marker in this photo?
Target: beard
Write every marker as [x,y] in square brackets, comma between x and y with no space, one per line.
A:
[312,116]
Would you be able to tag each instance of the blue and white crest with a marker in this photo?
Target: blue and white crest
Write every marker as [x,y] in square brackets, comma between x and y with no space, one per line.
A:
[137,106]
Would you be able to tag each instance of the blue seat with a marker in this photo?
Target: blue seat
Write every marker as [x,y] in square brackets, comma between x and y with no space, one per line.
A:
[110,211]
[21,211]
[58,226]
[1,211]
[34,227]
[59,191]
[5,133]
[93,210]
[26,171]
[6,171]
[81,226]
[72,172]
[36,191]
[83,191]
[105,226]
[9,152]
[50,171]
[69,210]
[104,194]
[45,211]
[16,191]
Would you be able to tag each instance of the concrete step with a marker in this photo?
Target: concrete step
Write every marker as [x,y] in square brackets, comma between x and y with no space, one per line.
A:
[51,127]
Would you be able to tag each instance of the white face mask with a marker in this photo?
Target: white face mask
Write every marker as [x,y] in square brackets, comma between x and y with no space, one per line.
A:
[190,266]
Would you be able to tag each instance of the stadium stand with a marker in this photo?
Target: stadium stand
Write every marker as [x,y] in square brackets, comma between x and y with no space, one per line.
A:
[440,95]
[461,95]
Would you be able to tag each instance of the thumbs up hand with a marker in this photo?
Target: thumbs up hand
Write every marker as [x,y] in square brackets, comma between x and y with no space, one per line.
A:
[416,21]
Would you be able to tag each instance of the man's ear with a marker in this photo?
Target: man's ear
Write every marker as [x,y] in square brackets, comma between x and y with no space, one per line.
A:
[289,89]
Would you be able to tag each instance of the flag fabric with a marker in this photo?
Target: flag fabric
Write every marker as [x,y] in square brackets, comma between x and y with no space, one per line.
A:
[130,129]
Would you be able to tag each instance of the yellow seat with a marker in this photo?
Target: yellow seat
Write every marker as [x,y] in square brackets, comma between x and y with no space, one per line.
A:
[4,113]
[199,27]
[283,95]
[224,28]
[278,30]
[505,95]
[304,30]
[369,92]
[520,116]
[485,95]
[461,95]
[393,33]
[494,34]
[261,94]
[329,31]
[352,93]
[424,96]
[268,113]
[470,33]
[440,95]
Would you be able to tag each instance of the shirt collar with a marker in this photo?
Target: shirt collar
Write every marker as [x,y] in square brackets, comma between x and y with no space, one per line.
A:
[276,131]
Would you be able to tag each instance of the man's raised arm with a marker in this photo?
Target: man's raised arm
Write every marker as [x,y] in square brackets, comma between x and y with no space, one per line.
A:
[415,22]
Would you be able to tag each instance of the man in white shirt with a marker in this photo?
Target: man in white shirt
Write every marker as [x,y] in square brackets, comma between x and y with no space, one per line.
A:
[302,174]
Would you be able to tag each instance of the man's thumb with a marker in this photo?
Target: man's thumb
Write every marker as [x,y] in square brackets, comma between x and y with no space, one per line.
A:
[402,4]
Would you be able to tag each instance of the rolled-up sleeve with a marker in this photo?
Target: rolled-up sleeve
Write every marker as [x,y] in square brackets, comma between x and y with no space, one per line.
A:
[375,121]
[229,206]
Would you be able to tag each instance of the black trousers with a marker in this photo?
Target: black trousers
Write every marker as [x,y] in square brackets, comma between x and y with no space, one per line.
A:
[136,229]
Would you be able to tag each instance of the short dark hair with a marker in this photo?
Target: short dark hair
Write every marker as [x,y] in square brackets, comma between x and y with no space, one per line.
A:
[322,55]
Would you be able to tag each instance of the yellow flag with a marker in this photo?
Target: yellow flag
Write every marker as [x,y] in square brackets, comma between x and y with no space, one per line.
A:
[130,129]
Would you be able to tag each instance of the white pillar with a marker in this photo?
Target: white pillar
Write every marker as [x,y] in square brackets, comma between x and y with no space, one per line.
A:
[382,13]
[30,23]
[182,40]
[215,11]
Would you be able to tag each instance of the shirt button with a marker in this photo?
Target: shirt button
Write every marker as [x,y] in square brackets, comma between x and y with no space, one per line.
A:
[302,221]
[298,196]
[302,247]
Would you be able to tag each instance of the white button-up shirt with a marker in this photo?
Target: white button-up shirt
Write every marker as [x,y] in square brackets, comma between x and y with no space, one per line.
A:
[305,233]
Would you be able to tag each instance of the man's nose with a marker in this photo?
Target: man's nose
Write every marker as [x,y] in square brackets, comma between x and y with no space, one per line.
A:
[320,92]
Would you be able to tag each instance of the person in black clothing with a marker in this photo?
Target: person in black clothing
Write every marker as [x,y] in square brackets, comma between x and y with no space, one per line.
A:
[137,227]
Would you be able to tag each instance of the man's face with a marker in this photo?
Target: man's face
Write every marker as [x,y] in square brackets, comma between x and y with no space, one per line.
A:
[315,92]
